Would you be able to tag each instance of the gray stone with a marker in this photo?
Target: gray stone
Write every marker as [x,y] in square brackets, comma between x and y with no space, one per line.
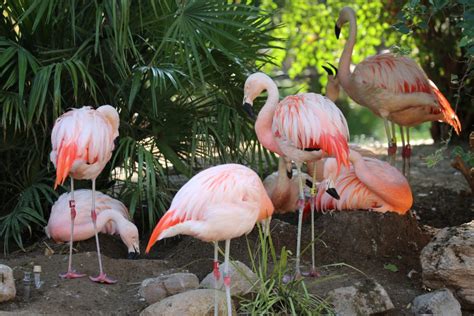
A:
[156,289]
[363,298]
[194,302]
[243,279]
[440,303]
[447,261]
[7,284]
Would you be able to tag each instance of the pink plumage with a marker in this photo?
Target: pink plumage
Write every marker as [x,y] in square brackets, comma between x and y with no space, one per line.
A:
[82,142]
[219,203]
[368,184]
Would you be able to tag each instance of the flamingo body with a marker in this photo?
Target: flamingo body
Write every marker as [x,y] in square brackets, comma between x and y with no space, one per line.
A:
[112,218]
[83,141]
[219,203]
[368,184]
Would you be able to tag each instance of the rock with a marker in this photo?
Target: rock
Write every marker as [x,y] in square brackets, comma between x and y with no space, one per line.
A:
[242,279]
[194,302]
[447,261]
[441,302]
[7,284]
[156,289]
[363,298]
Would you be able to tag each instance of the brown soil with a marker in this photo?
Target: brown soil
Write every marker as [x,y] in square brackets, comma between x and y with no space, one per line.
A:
[364,240]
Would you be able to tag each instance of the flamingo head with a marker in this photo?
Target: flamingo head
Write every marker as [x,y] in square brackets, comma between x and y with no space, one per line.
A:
[332,87]
[345,15]
[254,85]
[129,235]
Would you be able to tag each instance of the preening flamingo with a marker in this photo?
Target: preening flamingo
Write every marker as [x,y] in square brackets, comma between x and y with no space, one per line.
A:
[368,184]
[219,203]
[303,127]
[393,87]
[83,141]
[112,218]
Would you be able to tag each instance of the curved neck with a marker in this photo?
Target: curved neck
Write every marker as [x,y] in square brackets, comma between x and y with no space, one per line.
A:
[83,231]
[346,57]
[263,125]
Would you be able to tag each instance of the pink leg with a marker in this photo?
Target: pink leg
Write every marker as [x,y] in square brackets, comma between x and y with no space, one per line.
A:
[217,276]
[102,277]
[71,274]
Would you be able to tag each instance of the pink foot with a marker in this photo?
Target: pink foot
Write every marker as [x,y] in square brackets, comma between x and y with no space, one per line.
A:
[103,278]
[312,273]
[406,152]
[71,275]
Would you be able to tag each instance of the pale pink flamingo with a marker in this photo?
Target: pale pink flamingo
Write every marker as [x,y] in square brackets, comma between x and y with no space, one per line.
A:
[112,218]
[83,141]
[368,184]
[303,127]
[219,203]
[392,87]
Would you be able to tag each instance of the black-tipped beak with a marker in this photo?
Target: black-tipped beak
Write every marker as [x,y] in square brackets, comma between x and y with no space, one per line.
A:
[249,109]
[328,70]
[333,67]
[289,173]
[337,30]
[133,255]
[332,192]
[309,183]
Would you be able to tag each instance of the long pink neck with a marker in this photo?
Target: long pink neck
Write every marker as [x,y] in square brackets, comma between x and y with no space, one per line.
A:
[388,190]
[263,125]
[83,231]
[346,57]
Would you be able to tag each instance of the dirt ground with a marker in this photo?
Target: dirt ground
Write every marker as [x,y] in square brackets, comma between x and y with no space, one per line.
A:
[364,240]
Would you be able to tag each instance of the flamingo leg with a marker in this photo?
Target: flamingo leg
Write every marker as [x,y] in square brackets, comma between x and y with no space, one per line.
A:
[71,274]
[392,148]
[227,277]
[403,150]
[217,276]
[102,277]
[300,220]
[407,152]
[313,271]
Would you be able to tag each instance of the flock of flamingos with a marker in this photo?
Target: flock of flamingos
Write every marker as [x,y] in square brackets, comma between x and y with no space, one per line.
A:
[226,201]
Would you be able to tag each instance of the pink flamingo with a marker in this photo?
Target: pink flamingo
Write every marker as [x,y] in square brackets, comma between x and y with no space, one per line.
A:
[83,141]
[112,218]
[303,127]
[368,184]
[392,87]
[219,203]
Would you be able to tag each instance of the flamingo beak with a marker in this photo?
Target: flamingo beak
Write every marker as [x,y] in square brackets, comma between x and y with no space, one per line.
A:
[133,255]
[309,183]
[249,110]
[332,192]
[337,30]
[331,72]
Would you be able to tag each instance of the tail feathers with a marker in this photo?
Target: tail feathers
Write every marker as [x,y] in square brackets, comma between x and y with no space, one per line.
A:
[167,221]
[65,159]
[449,116]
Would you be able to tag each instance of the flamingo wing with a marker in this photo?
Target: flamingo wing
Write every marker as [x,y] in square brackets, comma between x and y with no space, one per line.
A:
[312,122]
[223,187]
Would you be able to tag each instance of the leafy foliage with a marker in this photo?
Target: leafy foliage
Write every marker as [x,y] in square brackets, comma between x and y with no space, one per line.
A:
[173,69]
[273,296]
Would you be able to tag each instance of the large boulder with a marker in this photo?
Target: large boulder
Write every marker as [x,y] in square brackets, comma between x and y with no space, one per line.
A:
[441,302]
[156,289]
[243,279]
[448,261]
[363,298]
[194,302]
[7,284]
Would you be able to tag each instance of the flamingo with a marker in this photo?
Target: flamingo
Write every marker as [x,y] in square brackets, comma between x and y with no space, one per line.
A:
[368,184]
[112,218]
[303,127]
[392,87]
[219,203]
[82,144]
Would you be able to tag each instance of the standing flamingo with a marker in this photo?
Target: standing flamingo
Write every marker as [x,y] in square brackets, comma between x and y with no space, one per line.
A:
[303,127]
[219,203]
[83,141]
[368,184]
[392,87]
[112,218]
